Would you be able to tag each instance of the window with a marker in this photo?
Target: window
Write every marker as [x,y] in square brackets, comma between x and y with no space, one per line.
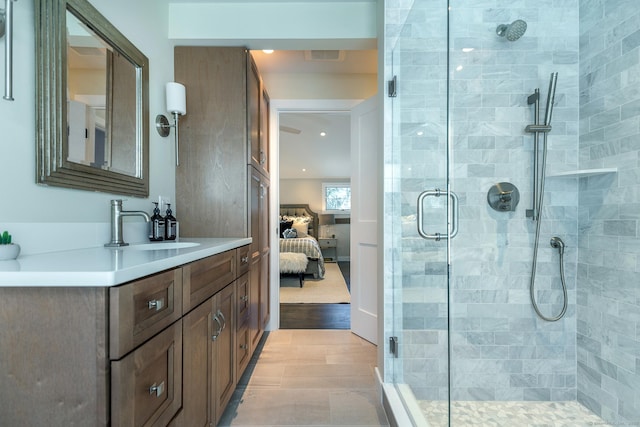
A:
[336,197]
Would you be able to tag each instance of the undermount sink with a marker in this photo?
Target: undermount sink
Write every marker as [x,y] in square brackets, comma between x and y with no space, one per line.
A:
[163,246]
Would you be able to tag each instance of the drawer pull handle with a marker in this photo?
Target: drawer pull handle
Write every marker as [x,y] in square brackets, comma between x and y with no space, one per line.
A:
[157,389]
[156,304]
[244,298]
[220,327]
[244,346]
[244,259]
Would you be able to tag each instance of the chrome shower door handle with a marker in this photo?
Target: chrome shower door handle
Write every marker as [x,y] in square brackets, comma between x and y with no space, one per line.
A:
[453,212]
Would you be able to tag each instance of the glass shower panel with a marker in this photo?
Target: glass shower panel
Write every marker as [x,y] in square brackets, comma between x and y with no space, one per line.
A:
[472,350]
[419,153]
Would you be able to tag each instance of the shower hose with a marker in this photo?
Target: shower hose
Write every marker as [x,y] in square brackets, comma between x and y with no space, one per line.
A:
[560,247]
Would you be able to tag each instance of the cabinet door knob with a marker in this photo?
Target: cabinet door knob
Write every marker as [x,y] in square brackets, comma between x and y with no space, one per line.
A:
[157,389]
[244,346]
[156,304]
[244,298]
[244,259]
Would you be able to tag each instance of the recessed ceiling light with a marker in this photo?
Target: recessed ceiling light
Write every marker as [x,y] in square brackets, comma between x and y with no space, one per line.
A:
[420,133]
[304,170]
[467,49]
[459,68]
[268,51]
[323,134]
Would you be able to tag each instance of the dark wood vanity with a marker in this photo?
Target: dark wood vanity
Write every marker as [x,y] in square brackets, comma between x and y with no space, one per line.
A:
[166,349]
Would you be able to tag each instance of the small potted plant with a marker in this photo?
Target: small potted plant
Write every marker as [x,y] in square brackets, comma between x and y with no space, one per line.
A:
[8,250]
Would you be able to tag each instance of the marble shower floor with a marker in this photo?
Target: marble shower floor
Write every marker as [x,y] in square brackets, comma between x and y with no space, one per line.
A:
[509,414]
[308,377]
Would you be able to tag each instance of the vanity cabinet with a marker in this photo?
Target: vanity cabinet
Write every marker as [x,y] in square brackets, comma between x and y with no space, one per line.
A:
[258,118]
[260,253]
[223,176]
[163,350]
[227,128]
[243,340]
[211,179]
[209,358]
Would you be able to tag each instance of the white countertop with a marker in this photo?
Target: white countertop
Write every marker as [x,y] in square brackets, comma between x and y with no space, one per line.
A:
[100,266]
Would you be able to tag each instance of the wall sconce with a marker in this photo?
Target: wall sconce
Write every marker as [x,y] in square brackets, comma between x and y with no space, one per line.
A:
[327,220]
[176,105]
[6,30]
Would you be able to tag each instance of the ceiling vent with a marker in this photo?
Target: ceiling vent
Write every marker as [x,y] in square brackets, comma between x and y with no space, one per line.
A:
[324,55]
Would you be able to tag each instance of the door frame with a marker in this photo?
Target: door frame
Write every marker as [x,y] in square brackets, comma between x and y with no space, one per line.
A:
[276,107]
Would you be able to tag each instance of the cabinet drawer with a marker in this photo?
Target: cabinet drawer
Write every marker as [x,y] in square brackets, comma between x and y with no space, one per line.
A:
[242,298]
[146,385]
[202,279]
[242,255]
[140,309]
[327,243]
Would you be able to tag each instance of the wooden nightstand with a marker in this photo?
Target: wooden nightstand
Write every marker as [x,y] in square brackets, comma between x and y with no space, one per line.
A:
[329,249]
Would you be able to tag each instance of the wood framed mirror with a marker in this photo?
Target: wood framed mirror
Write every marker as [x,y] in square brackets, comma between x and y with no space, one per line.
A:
[92,102]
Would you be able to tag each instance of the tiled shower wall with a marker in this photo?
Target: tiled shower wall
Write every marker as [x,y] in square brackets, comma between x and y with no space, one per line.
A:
[609,216]
[501,350]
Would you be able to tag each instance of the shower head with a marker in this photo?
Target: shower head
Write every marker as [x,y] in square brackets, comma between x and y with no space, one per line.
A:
[513,31]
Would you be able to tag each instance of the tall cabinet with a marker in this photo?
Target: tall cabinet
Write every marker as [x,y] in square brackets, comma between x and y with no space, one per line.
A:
[222,181]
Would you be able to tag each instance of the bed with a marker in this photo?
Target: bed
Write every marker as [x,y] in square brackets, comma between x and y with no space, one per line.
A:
[305,244]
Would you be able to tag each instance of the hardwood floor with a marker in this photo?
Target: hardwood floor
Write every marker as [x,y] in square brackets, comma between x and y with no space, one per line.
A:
[308,378]
[318,316]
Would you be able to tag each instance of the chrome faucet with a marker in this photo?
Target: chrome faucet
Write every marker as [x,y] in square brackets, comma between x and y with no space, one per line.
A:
[116,223]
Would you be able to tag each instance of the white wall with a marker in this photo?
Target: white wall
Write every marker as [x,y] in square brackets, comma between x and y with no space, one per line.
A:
[28,209]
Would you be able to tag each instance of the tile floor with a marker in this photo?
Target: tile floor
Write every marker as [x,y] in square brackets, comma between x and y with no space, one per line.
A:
[509,414]
[308,378]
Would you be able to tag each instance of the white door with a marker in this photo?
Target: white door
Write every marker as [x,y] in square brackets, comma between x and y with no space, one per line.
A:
[365,143]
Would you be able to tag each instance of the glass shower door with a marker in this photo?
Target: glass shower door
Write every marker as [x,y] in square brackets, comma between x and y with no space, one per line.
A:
[422,212]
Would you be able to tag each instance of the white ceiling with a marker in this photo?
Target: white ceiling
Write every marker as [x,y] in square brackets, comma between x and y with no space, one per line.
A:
[308,155]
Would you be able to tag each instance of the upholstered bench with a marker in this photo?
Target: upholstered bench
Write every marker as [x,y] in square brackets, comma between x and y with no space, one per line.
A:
[293,263]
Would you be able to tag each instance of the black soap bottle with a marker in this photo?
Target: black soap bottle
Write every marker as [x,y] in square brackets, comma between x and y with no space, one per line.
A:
[170,224]
[156,226]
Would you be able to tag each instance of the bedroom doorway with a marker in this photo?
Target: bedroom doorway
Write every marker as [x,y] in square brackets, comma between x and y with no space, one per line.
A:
[314,156]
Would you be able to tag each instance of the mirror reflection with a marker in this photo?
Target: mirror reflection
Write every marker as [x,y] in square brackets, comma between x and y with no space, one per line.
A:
[101,101]
[92,102]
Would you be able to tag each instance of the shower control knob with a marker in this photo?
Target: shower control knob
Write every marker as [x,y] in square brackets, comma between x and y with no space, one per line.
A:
[503,197]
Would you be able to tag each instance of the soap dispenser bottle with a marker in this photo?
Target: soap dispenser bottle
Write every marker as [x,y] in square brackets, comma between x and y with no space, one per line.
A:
[170,224]
[156,231]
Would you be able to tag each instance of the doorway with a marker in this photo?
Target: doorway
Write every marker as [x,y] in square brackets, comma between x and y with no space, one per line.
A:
[315,172]
[328,316]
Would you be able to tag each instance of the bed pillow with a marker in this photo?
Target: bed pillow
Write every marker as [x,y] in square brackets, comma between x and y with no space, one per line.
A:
[290,233]
[302,227]
[284,226]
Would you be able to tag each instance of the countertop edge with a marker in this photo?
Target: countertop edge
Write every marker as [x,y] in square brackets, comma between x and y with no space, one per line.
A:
[102,276]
